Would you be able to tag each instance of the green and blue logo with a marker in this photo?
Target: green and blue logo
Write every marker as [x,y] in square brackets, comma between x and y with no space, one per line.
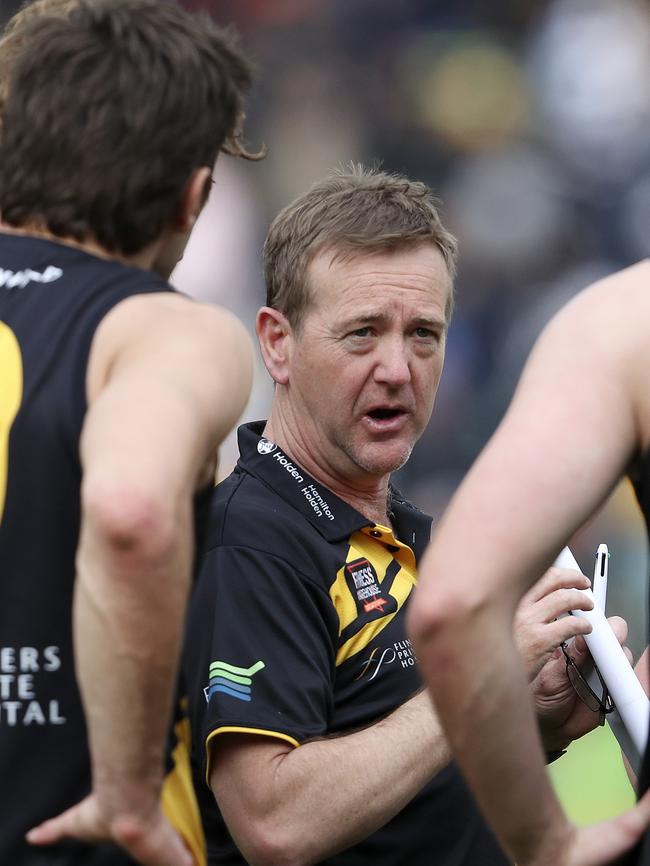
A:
[232,680]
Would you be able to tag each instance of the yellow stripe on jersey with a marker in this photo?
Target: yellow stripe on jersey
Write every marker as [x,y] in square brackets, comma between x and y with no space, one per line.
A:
[363,546]
[235,729]
[11,394]
[342,599]
[362,638]
[179,800]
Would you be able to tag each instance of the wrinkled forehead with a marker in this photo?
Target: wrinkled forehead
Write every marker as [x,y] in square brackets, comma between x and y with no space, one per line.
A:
[343,276]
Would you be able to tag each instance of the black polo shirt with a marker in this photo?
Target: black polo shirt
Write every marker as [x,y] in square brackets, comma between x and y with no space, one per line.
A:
[296,630]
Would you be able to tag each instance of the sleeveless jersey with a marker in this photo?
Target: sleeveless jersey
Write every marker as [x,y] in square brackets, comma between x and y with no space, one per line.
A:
[52,298]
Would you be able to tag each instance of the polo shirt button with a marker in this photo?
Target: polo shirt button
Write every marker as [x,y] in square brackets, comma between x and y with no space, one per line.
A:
[375,533]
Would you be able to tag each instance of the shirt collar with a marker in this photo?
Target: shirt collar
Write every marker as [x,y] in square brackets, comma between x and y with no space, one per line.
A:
[412,526]
[332,517]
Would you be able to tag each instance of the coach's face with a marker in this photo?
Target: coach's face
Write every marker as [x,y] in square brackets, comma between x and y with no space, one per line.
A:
[367,358]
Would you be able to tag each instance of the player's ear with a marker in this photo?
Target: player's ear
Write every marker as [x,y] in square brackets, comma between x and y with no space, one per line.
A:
[275,336]
[195,195]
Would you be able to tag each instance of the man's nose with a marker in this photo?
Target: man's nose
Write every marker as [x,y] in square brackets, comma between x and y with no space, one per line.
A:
[393,363]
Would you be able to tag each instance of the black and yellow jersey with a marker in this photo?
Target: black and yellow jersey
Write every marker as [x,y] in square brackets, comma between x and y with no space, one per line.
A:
[52,298]
[297,630]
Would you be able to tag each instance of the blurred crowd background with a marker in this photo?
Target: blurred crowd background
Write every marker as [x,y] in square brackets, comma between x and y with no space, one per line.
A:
[531,121]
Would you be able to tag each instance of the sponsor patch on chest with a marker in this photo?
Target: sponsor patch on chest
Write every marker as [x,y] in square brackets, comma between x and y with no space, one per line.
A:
[364,585]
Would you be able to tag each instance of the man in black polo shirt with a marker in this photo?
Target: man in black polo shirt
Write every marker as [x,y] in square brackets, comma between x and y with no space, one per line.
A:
[309,723]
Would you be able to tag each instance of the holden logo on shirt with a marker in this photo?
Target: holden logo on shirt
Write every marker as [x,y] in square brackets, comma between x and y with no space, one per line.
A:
[364,585]
[265,446]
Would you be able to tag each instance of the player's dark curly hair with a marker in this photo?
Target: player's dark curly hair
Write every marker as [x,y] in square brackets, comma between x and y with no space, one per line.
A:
[110,106]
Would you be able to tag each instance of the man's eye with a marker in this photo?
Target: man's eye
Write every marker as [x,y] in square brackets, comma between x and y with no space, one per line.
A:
[425,334]
[360,332]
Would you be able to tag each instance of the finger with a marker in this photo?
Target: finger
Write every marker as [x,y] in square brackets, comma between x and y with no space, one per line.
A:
[559,602]
[628,654]
[579,646]
[619,627]
[45,834]
[644,660]
[557,578]
[562,630]
[68,823]
[642,670]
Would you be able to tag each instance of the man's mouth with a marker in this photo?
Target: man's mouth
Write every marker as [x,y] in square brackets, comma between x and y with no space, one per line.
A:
[386,419]
[385,414]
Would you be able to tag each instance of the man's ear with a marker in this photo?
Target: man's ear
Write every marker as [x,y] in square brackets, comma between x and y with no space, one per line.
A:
[195,195]
[275,337]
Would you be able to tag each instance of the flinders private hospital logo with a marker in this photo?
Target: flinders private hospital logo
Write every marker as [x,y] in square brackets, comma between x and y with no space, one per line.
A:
[401,651]
[231,680]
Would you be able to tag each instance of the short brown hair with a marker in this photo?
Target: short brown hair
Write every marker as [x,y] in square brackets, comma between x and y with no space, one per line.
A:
[31,9]
[353,210]
[12,39]
[109,110]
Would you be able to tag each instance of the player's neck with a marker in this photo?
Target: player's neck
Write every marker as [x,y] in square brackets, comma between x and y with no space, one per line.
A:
[143,259]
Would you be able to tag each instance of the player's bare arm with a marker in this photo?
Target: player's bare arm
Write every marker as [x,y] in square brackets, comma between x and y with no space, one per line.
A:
[166,381]
[301,805]
[489,549]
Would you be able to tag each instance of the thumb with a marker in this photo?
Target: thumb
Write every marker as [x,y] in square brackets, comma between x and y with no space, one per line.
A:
[68,823]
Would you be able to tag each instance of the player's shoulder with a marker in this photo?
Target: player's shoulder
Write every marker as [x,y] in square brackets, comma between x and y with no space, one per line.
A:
[616,290]
[158,325]
[633,277]
[608,313]
[170,311]
[247,513]
[243,498]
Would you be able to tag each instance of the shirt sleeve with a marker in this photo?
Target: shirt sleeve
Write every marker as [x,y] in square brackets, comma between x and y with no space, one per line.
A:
[260,649]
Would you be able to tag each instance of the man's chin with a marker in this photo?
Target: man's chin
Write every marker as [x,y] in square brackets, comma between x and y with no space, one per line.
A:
[379,462]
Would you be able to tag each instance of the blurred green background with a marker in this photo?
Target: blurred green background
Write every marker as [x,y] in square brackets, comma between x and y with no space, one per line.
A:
[590,779]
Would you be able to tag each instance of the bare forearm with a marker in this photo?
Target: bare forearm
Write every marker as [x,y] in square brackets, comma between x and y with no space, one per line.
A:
[331,778]
[484,697]
[326,795]
[129,604]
